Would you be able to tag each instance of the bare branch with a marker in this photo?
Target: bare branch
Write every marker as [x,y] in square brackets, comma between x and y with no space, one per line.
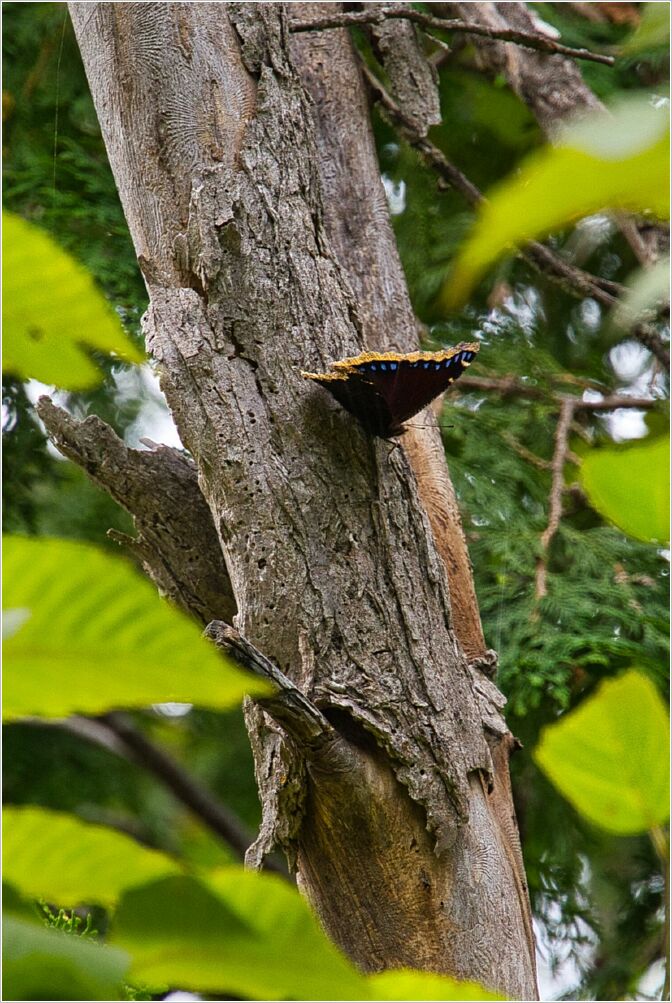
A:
[615,401]
[509,386]
[557,486]
[117,733]
[219,819]
[531,40]
[526,454]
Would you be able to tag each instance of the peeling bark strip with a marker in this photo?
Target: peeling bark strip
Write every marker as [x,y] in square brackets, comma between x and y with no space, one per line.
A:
[333,566]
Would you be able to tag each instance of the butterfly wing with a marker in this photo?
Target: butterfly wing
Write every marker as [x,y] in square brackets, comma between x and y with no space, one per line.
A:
[358,395]
[409,383]
[383,390]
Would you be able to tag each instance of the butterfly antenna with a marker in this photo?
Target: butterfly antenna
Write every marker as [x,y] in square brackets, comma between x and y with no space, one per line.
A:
[408,424]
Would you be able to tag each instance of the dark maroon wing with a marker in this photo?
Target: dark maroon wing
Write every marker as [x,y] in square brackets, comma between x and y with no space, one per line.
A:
[409,386]
[358,395]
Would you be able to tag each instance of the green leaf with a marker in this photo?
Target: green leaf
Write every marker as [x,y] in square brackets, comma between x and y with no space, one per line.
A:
[610,757]
[247,934]
[296,949]
[42,964]
[617,161]
[410,985]
[51,307]
[653,31]
[98,637]
[57,857]
[630,486]
[647,290]
[405,984]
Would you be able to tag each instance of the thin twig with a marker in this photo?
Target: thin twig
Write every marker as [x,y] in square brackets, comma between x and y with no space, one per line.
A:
[616,401]
[571,279]
[526,453]
[557,486]
[510,386]
[506,386]
[530,40]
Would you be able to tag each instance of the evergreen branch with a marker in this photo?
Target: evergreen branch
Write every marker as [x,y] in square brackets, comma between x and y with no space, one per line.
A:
[574,281]
[530,40]
[557,485]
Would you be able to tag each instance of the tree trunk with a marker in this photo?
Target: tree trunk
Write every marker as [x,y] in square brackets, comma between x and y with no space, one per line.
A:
[399,821]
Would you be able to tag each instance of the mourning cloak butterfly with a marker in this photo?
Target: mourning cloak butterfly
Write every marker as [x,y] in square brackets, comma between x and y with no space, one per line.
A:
[384,390]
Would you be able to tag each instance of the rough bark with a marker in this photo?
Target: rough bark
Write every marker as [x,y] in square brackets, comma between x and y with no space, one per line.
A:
[357,221]
[353,191]
[551,86]
[412,79]
[333,565]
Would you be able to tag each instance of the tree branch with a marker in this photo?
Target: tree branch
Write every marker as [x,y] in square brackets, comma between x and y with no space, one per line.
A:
[571,279]
[509,386]
[186,788]
[289,707]
[116,732]
[557,485]
[530,40]
[176,542]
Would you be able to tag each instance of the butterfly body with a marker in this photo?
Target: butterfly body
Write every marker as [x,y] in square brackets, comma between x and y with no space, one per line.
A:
[383,390]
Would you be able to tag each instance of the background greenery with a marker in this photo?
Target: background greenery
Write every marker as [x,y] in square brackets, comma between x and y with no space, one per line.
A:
[597,897]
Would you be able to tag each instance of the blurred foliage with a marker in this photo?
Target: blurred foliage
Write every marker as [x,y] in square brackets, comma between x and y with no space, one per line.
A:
[227,930]
[630,486]
[130,647]
[48,322]
[610,756]
[597,898]
[615,161]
